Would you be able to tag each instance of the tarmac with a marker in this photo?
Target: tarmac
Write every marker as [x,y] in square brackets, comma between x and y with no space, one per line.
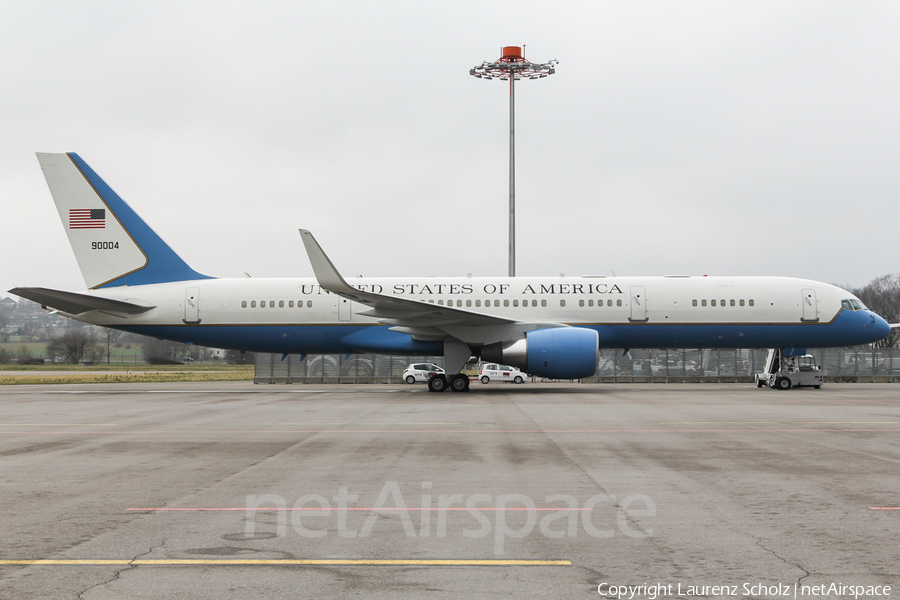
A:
[235,490]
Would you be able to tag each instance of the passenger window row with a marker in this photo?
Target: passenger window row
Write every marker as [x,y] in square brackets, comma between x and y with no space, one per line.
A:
[487,303]
[609,302]
[516,302]
[271,304]
[724,302]
[848,304]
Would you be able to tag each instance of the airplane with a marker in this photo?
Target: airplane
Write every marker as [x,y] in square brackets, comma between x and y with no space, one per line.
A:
[549,327]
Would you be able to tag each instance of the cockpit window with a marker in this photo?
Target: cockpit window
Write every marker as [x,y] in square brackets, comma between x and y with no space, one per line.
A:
[852,304]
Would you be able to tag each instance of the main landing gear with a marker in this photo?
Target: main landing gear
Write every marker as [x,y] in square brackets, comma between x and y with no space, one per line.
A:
[457,383]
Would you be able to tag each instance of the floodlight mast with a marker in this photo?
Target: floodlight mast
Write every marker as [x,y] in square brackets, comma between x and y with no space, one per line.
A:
[512,66]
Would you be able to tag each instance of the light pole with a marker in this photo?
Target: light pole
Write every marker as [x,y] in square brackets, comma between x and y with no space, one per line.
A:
[512,66]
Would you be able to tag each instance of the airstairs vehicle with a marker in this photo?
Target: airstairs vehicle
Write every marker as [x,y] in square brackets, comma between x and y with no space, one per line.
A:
[787,368]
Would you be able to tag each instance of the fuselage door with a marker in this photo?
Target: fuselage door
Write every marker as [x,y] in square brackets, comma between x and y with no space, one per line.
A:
[810,308]
[343,309]
[638,304]
[192,305]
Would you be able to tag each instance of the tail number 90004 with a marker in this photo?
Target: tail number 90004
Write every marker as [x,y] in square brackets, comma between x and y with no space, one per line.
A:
[104,245]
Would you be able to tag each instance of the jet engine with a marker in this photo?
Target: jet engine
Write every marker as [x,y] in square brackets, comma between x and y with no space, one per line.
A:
[555,353]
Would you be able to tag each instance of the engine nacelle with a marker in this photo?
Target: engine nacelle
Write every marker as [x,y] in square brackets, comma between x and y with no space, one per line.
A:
[555,353]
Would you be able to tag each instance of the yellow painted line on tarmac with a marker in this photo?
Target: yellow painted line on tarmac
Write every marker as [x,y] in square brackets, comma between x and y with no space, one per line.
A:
[778,422]
[292,562]
[367,423]
[58,424]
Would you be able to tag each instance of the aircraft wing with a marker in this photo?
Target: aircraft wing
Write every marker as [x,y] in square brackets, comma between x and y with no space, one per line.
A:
[75,303]
[422,320]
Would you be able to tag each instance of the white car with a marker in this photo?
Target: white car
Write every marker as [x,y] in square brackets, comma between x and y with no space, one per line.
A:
[494,372]
[421,372]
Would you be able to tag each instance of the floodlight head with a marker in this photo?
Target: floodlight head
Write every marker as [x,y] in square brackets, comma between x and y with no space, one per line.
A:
[512,62]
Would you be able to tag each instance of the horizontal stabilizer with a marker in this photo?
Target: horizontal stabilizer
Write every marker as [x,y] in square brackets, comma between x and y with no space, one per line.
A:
[75,303]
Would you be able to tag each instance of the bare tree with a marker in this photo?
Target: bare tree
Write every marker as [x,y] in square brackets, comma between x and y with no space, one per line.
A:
[162,352]
[96,353]
[73,346]
[23,354]
[29,329]
[112,336]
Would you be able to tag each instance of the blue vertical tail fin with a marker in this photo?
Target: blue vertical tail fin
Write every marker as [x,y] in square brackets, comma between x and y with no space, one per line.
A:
[112,244]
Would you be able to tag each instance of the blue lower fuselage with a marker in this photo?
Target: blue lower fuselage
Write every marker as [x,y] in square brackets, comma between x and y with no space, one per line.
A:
[849,328]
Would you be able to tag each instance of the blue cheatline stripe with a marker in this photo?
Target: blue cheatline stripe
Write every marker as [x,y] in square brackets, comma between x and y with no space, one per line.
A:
[295,339]
[163,265]
[848,329]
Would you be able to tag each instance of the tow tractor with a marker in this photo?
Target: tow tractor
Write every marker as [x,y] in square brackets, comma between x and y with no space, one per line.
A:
[789,368]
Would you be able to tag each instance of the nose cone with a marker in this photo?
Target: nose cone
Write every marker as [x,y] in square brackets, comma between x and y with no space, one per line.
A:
[882,328]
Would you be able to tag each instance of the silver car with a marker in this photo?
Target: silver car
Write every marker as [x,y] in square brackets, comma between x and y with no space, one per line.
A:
[494,372]
[421,372]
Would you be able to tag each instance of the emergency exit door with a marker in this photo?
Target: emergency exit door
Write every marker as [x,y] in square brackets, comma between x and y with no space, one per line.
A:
[810,308]
[638,304]
[192,305]
[343,309]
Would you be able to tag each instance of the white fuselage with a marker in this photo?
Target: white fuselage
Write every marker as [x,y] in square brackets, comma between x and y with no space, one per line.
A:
[635,311]
[570,300]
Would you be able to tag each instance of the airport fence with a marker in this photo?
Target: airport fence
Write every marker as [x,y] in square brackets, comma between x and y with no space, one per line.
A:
[614,366]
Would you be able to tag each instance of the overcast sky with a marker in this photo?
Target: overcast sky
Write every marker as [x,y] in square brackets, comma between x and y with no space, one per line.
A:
[720,138]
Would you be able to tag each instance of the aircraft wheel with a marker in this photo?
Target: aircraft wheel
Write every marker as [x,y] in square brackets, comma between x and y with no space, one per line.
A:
[817,387]
[460,383]
[518,380]
[760,383]
[410,380]
[438,383]
[783,383]
[485,380]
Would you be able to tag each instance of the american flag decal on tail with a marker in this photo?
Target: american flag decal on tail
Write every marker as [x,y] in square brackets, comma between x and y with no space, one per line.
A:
[87,218]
